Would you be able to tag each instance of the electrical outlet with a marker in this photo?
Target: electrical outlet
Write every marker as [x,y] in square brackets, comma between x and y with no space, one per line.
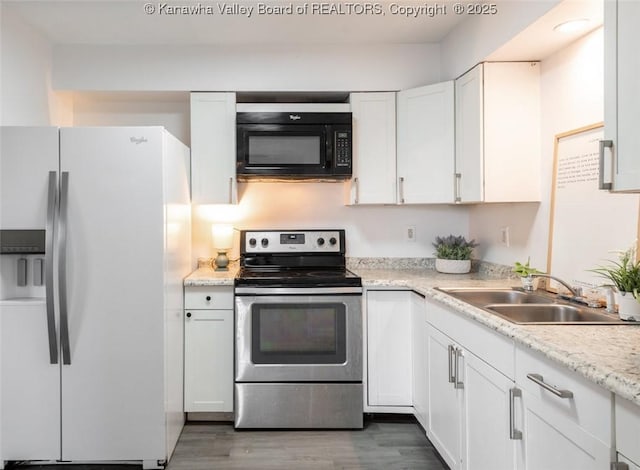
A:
[411,233]
[504,236]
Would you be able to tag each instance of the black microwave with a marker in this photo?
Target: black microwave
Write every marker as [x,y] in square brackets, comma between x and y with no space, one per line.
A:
[294,145]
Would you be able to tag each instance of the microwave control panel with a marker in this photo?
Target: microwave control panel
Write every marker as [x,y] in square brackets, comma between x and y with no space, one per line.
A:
[343,149]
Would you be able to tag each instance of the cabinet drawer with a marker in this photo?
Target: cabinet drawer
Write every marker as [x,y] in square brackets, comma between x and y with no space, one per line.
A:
[590,407]
[208,297]
[627,426]
[488,345]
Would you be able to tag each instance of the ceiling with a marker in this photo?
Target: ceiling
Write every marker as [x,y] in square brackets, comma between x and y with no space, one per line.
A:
[122,22]
[127,22]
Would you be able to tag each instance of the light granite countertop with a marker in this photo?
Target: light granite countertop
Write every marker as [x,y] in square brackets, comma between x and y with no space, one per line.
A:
[608,355]
[207,276]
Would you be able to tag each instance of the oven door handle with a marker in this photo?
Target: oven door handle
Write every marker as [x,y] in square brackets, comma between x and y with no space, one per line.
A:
[297,290]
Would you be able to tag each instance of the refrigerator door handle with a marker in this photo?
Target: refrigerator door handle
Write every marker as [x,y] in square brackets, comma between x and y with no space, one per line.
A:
[62,268]
[52,202]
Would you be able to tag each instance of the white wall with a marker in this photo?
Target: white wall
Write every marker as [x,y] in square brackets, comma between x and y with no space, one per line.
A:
[479,35]
[372,231]
[572,89]
[246,68]
[26,95]
[170,110]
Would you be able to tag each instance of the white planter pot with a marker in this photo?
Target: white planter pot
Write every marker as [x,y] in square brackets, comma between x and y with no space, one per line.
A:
[453,266]
[628,306]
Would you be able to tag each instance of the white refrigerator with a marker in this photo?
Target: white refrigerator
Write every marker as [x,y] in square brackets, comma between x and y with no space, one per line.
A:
[91,331]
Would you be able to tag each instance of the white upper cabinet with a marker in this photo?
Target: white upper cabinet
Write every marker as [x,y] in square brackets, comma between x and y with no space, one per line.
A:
[497,141]
[622,95]
[374,149]
[469,155]
[213,148]
[425,132]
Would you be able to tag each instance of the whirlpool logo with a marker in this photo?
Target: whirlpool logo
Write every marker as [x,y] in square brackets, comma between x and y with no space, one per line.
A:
[138,140]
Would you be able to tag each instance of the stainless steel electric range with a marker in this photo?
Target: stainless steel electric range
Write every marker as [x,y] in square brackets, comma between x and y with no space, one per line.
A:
[298,332]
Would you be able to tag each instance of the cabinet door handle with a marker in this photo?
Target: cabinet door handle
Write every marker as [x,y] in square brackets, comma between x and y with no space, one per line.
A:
[456,369]
[401,189]
[601,184]
[456,181]
[514,434]
[451,351]
[356,197]
[538,379]
[231,190]
[188,314]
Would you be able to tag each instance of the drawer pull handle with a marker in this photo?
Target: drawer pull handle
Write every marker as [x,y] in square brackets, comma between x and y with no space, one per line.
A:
[188,314]
[458,384]
[208,298]
[451,350]
[514,434]
[538,379]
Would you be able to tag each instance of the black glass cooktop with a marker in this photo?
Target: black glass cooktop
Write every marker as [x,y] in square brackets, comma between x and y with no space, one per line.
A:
[329,277]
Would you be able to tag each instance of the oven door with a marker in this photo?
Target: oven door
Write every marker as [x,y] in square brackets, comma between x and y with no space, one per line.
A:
[283,150]
[299,338]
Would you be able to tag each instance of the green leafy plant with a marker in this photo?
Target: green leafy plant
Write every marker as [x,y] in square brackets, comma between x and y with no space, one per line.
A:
[624,274]
[454,247]
[525,270]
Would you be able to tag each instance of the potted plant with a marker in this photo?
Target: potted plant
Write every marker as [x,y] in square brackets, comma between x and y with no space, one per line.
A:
[453,254]
[624,275]
[525,272]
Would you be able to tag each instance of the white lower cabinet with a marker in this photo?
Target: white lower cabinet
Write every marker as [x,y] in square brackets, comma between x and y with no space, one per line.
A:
[208,368]
[551,442]
[419,343]
[389,351]
[627,417]
[469,407]
[489,397]
[471,414]
[566,420]
[445,400]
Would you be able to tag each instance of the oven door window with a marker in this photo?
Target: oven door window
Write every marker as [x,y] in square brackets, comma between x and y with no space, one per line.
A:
[291,333]
[277,146]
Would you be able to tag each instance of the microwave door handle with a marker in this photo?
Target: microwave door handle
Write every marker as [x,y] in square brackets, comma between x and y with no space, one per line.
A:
[329,150]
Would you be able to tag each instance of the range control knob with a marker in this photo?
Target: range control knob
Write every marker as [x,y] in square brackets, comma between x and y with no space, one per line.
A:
[264,242]
[333,241]
[320,241]
[252,242]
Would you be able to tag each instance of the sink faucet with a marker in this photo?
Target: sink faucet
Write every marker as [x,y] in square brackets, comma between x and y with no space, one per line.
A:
[574,291]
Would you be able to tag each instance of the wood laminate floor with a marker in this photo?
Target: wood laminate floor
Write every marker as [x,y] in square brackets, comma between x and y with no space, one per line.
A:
[381,445]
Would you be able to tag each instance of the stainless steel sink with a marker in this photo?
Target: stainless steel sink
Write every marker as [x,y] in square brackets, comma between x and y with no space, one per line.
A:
[533,308]
[552,313]
[498,296]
